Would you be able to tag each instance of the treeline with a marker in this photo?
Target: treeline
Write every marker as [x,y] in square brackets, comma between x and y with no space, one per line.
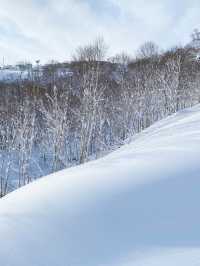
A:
[58,121]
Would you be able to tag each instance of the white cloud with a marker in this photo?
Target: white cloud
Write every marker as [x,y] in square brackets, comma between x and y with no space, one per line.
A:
[50,29]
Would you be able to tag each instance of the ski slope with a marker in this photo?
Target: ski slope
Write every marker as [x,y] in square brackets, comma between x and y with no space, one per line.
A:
[138,206]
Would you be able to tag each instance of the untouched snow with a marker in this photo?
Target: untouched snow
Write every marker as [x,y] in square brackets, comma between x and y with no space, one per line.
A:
[140,206]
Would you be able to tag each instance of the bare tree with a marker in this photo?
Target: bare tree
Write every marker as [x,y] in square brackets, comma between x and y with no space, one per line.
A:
[25,126]
[147,50]
[95,51]
[8,140]
[122,59]
[54,110]
[89,110]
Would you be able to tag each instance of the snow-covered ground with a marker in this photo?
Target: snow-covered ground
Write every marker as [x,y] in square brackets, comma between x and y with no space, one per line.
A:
[137,206]
[13,75]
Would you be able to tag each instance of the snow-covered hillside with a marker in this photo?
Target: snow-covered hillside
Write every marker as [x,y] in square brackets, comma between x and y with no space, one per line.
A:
[137,206]
[8,75]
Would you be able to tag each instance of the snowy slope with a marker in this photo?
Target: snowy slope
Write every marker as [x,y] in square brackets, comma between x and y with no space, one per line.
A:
[10,75]
[137,206]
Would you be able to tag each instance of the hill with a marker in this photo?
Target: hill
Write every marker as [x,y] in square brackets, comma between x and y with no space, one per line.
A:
[137,206]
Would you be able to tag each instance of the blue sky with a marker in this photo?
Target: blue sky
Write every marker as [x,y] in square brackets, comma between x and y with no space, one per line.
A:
[52,29]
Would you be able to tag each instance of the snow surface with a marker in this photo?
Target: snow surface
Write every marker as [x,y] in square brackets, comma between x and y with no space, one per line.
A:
[140,206]
[13,75]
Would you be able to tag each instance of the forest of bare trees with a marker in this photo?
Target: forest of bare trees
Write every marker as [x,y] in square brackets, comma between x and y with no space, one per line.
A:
[51,122]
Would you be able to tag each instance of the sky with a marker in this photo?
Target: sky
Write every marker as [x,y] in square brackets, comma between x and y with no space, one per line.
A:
[53,29]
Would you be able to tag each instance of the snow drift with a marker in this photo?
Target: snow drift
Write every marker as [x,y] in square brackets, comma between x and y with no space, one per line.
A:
[136,206]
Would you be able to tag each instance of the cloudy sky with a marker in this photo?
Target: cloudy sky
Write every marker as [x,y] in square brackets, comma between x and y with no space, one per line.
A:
[52,29]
